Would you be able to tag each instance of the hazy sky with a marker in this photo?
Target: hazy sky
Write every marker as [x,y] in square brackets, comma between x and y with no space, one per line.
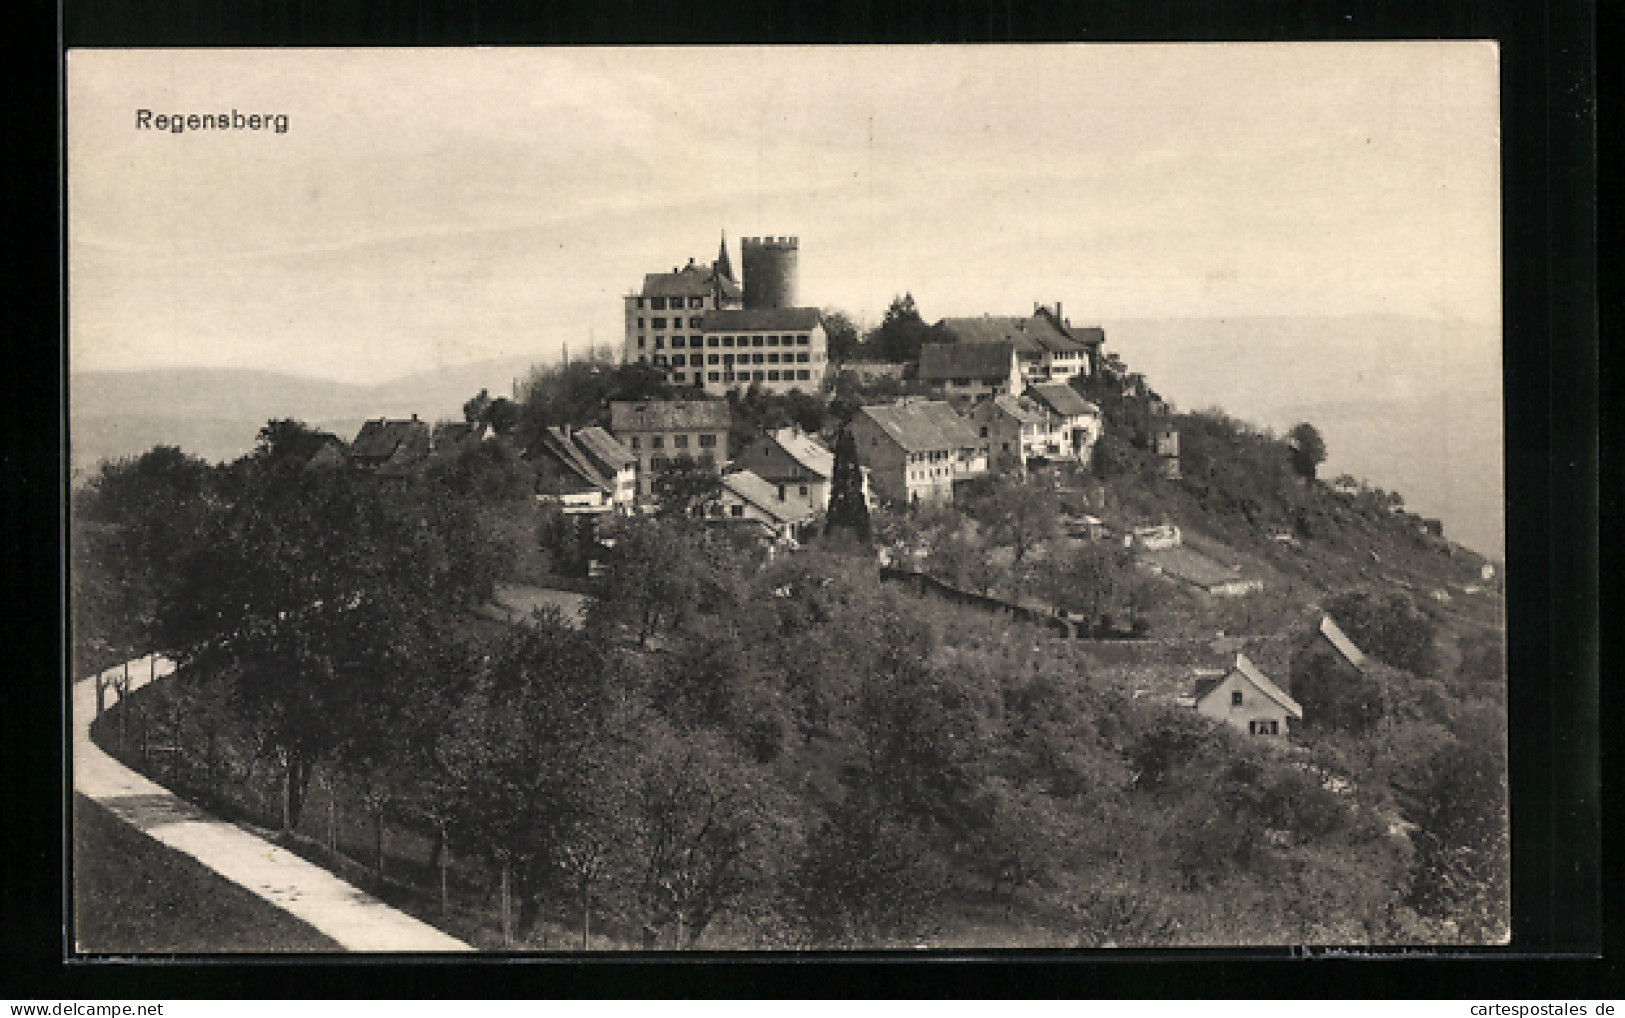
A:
[429,207]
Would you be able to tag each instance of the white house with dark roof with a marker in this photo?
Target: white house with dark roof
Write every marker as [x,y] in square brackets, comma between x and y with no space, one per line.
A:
[707,329]
[745,498]
[567,477]
[778,349]
[1047,348]
[614,461]
[1072,422]
[1247,700]
[797,466]
[1012,428]
[664,315]
[916,449]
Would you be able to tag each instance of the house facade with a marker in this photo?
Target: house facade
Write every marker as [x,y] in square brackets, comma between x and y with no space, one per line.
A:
[566,476]
[778,349]
[746,499]
[614,461]
[1072,423]
[1012,428]
[1247,700]
[797,466]
[916,449]
[968,372]
[1047,348]
[664,315]
[656,432]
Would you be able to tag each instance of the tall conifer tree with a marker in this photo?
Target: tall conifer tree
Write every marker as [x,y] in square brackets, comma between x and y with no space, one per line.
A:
[847,507]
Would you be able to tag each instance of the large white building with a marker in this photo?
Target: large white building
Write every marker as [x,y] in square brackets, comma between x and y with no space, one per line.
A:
[706,330]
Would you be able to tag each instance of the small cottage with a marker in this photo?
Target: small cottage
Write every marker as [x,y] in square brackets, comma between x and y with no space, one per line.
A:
[795,464]
[1072,422]
[587,472]
[746,499]
[1244,698]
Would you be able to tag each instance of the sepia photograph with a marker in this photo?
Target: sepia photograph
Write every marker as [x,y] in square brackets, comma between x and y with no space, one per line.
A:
[583,501]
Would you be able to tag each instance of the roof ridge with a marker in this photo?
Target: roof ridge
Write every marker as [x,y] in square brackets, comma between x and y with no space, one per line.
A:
[1245,665]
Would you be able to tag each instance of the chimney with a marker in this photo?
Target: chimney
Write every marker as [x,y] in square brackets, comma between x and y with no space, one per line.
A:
[1058,312]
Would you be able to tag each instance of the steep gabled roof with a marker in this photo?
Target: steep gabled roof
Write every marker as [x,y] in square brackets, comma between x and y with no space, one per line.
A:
[669,415]
[807,451]
[1341,642]
[608,455]
[1062,399]
[751,488]
[923,425]
[758,319]
[1265,686]
[943,361]
[556,445]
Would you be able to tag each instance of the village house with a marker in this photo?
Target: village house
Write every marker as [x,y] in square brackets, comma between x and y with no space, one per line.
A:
[797,466]
[1245,699]
[391,448]
[1012,428]
[746,499]
[916,449]
[1047,348]
[656,432]
[1072,423]
[614,461]
[568,476]
[967,372]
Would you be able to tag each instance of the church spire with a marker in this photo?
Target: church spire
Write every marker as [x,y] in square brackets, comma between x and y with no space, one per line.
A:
[723,267]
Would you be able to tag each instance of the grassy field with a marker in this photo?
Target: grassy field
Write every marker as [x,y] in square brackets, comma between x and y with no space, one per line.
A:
[132,895]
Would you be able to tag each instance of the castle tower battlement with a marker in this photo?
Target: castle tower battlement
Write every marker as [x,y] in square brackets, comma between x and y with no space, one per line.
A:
[771,267]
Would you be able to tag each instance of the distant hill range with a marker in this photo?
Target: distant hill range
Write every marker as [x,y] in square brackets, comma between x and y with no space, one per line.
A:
[216,412]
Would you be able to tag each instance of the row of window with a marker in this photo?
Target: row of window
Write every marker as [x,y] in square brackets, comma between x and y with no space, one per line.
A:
[686,360]
[682,342]
[686,342]
[1264,727]
[677,442]
[694,322]
[786,375]
[659,463]
[676,303]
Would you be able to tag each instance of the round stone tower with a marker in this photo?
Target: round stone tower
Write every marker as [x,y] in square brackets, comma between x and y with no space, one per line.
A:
[770,265]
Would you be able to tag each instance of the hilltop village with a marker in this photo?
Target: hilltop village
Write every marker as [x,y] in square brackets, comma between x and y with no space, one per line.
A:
[763,631]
